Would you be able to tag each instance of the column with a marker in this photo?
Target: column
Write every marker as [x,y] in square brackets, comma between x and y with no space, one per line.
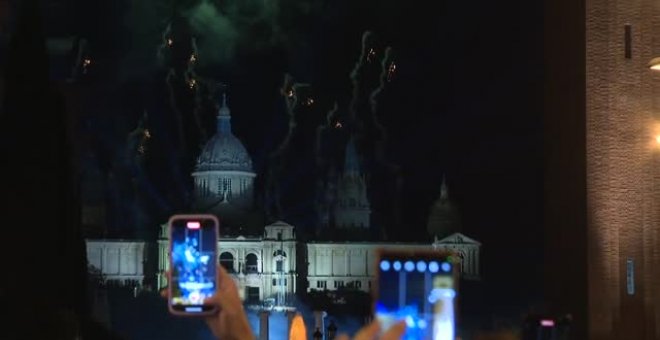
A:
[332,260]
[263,324]
[477,260]
[472,262]
[311,257]
[347,261]
[119,260]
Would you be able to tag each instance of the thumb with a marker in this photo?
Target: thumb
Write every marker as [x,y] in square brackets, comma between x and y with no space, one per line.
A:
[395,332]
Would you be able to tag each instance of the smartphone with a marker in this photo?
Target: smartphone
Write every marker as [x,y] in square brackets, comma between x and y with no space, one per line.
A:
[418,286]
[193,263]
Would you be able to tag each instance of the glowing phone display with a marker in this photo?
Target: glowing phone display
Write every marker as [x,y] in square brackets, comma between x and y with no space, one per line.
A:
[193,263]
[417,287]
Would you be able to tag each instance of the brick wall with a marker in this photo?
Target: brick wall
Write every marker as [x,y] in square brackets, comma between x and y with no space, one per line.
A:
[622,168]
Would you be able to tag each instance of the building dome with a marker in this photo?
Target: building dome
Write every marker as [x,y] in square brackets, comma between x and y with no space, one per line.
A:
[224,152]
[223,175]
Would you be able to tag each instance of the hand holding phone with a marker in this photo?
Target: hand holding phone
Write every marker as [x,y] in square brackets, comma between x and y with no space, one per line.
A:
[193,264]
[417,286]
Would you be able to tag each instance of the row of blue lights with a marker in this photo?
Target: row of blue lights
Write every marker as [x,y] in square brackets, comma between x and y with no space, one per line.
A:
[410,266]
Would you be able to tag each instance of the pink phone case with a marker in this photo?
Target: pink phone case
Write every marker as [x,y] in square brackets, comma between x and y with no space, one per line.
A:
[215,256]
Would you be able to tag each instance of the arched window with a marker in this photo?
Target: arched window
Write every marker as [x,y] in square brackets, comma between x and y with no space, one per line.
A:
[279,256]
[251,265]
[227,261]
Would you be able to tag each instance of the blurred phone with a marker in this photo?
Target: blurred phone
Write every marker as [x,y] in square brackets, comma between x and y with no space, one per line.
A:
[193,263]
[418,286]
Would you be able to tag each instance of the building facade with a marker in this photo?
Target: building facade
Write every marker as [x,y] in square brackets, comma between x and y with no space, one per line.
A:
[264,266]
[120,261]
[335,265]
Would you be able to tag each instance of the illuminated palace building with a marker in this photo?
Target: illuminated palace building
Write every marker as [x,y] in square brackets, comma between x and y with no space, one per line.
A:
[265,262]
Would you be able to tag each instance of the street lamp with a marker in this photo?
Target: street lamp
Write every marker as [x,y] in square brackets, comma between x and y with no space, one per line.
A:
[654,64]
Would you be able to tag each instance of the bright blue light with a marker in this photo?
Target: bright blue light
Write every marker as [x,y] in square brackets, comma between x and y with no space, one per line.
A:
[434,267]
[410,321]
[422,324]
[440,293]
[409,266]
[446,267]
[397,265]
[385,265]
[421,266]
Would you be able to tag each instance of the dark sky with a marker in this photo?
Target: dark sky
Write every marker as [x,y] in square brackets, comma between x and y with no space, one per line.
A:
[468,92]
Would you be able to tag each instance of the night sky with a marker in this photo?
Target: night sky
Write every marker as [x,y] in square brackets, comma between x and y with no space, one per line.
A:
[465,102]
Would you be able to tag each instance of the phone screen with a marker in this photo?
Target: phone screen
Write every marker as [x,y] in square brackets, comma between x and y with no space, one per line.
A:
[418,288]
[194,241]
